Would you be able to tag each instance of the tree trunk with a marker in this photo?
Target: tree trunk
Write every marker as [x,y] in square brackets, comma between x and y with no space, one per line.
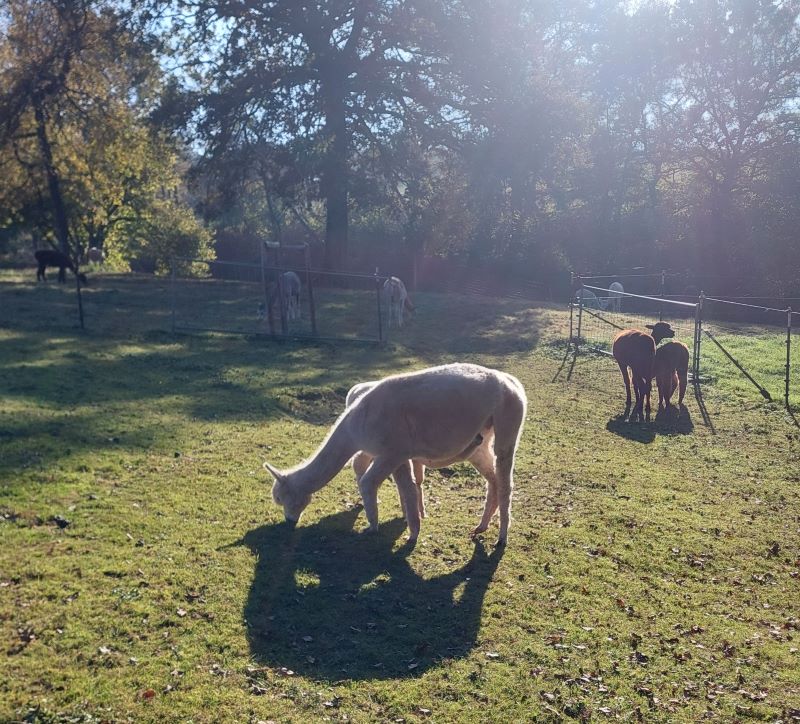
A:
[53,182]
[336,182]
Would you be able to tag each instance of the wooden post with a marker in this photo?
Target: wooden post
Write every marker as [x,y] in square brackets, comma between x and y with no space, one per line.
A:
[580,315]
[661,308]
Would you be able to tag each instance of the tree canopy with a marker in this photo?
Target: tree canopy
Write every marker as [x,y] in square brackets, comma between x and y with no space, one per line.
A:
[555,136]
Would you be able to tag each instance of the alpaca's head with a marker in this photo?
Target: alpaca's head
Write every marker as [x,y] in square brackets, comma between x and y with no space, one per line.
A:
[286,494]
[660,330]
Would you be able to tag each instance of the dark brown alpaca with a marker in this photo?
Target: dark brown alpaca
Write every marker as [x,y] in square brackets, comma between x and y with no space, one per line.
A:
[51,257]
[636,350]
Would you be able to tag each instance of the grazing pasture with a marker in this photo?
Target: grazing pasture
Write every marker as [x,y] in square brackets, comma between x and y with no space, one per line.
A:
[651,570]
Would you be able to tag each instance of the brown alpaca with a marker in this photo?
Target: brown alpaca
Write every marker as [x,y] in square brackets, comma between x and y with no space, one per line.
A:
[671,369]
[636,350]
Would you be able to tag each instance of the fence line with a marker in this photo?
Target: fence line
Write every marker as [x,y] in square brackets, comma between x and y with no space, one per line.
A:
[703,316]
[612,294]
[241,298]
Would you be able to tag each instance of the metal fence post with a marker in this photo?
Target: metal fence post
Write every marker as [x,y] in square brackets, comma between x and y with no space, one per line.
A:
[580,317]
[788,352]
[571,312]
[173,291]
[378,302]
[661,308]
[698,334]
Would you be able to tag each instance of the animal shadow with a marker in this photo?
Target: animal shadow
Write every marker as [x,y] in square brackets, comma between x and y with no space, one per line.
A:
[674,421]
[670,421]
[632,428]
[333,604]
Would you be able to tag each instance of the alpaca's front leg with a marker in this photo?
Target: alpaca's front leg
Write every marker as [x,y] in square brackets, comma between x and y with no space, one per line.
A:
[410,496]
[368,484]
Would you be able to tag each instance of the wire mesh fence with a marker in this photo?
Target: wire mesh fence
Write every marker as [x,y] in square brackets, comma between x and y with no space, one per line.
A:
[245,298]
[598,314]
[743,348]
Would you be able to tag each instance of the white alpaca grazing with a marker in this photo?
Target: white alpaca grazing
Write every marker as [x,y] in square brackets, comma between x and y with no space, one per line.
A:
[396,299]
[433,417]
[290,284]
[615,293]
[589,299]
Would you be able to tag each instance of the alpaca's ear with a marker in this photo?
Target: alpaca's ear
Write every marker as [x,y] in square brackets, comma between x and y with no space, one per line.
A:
[277,474]
[650,326]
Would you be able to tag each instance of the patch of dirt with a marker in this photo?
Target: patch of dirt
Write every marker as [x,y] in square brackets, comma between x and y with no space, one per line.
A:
[316,405]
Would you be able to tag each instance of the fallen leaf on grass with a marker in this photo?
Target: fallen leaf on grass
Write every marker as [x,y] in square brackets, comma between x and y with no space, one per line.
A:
[148,694]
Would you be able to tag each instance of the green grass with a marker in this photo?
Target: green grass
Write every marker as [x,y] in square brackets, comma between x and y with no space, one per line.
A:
[651,572]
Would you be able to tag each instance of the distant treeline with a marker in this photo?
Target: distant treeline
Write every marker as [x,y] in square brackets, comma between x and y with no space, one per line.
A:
[541,137]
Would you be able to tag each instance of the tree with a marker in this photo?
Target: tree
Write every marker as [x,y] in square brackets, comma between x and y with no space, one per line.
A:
[739,78]
[82,159]
[342,75]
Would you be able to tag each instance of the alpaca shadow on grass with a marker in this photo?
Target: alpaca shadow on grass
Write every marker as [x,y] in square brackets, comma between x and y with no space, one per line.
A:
[671,421]
[674,421]
[332,604]
[632,427]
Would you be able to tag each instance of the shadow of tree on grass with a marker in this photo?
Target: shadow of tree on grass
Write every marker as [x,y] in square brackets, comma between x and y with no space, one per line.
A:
[333,604]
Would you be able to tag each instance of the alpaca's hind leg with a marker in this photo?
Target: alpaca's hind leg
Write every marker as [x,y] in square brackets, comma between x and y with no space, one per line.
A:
[419,479]
[673,385]
[368,484]
[508,423]
[683,379]
[627,380]
[483,460]
[410,497]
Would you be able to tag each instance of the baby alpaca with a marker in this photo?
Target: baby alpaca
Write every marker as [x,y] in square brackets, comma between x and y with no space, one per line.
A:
[671,369]
[362,460]
[434,417]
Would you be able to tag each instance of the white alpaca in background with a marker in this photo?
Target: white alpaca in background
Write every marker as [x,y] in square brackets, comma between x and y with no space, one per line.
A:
[615,293]
[589,299]
[396,299]
[435,416]
[290,283]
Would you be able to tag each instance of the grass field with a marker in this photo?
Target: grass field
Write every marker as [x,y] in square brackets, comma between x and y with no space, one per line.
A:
[651,571]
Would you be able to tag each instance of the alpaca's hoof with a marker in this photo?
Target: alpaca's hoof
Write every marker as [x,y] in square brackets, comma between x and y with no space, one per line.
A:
[500,542]
[477,531]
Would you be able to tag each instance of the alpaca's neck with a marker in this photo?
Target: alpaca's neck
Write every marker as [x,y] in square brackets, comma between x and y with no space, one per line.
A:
[323,466]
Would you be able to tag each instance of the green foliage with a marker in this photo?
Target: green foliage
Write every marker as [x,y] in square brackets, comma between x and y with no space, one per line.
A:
[85,151]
